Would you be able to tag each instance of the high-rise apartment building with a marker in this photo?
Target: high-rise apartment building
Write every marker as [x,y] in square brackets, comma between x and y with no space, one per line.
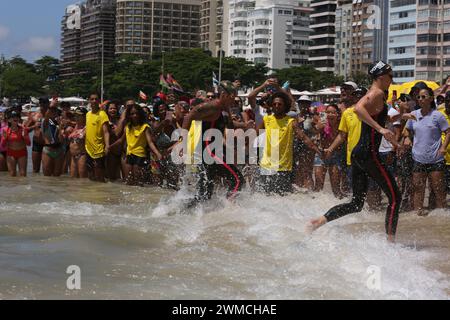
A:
[369,34]
[97,30]
[93,39]
[272,32]
[433,40]
[321,50]
[402,39]
[70,46]
[211,25]
[343,41]
[145,27]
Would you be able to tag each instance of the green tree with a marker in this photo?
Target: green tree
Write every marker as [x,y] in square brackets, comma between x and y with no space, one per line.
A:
[306,77]
[362,79]
[18,81]
[48,69]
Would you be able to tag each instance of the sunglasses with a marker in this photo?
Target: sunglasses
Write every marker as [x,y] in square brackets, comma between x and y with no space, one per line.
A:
[422,97]
[210,96]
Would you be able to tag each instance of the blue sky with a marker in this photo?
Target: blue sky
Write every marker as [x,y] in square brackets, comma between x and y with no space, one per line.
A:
[31,28]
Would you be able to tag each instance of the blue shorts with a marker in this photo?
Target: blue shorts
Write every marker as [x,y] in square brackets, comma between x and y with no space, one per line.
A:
[334,160]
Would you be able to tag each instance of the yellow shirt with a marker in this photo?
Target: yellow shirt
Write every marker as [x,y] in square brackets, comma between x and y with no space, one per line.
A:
[136,140]
[351,125]
[447,155]
[193,141]
[279,144]
[95,144]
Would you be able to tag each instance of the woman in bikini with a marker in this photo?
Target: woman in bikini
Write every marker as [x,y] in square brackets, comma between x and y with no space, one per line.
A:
[76,136]
[53,152]
[15,139]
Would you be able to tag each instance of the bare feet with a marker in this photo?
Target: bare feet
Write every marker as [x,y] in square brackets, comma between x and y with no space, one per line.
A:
[391,238]
[315,224]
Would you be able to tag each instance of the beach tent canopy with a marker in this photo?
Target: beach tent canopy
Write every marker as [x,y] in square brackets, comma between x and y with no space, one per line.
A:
[306,93]
[328,91]
[73,100]
[406,87]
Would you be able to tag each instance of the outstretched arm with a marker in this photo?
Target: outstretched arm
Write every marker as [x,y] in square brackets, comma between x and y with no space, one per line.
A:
[303,137]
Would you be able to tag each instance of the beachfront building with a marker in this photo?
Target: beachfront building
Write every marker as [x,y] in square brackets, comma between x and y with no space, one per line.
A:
[369,34]
[93,39]
[272,32]
[322,38]
[433,40]
[145,27]
[213,19]
[342,46]
[402,39]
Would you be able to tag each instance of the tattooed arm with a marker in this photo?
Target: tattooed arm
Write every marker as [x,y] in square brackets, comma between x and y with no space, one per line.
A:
[201,112]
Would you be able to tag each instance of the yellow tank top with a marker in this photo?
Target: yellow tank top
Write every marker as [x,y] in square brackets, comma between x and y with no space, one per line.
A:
[136,140]
[194,140]
[279,144]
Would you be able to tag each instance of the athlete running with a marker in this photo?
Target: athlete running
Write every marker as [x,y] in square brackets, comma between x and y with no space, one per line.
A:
[372,110]
[211,116]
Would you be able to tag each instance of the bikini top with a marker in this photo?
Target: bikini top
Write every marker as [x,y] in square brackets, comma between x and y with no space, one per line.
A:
[77,136]
[15,136]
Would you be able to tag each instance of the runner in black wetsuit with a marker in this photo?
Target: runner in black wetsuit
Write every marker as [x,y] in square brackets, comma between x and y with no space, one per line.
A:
[365,157]
[214,166]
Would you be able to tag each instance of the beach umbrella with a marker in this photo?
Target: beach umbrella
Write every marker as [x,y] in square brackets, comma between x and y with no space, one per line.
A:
[406,87]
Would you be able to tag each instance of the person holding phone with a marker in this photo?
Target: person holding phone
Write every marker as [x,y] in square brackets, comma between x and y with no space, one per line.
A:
[34,124]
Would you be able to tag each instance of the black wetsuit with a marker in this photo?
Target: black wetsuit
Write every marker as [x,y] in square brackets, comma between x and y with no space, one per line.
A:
[366,163]
[208,173]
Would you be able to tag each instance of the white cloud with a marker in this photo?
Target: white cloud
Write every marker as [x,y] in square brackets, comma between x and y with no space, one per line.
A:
[4,32]
[38,44]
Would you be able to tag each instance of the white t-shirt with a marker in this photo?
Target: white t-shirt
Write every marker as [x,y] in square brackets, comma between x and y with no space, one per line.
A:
[385,145]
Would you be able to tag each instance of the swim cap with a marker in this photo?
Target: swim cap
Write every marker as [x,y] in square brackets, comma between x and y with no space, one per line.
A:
[379,68]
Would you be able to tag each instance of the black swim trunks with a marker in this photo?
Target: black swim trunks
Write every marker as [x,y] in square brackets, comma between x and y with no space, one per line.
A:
[133,160]
[37,147]
[98,163]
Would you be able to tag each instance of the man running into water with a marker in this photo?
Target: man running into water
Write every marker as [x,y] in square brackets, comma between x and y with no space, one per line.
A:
[211,116]
[366,162]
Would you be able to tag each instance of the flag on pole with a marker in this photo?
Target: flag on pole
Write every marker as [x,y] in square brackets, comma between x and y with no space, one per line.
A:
[143,96]
[174,83]
[163,83]
[215,81]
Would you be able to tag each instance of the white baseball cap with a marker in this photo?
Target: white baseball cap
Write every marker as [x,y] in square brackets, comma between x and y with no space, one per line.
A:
[304,98]
[351,84]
